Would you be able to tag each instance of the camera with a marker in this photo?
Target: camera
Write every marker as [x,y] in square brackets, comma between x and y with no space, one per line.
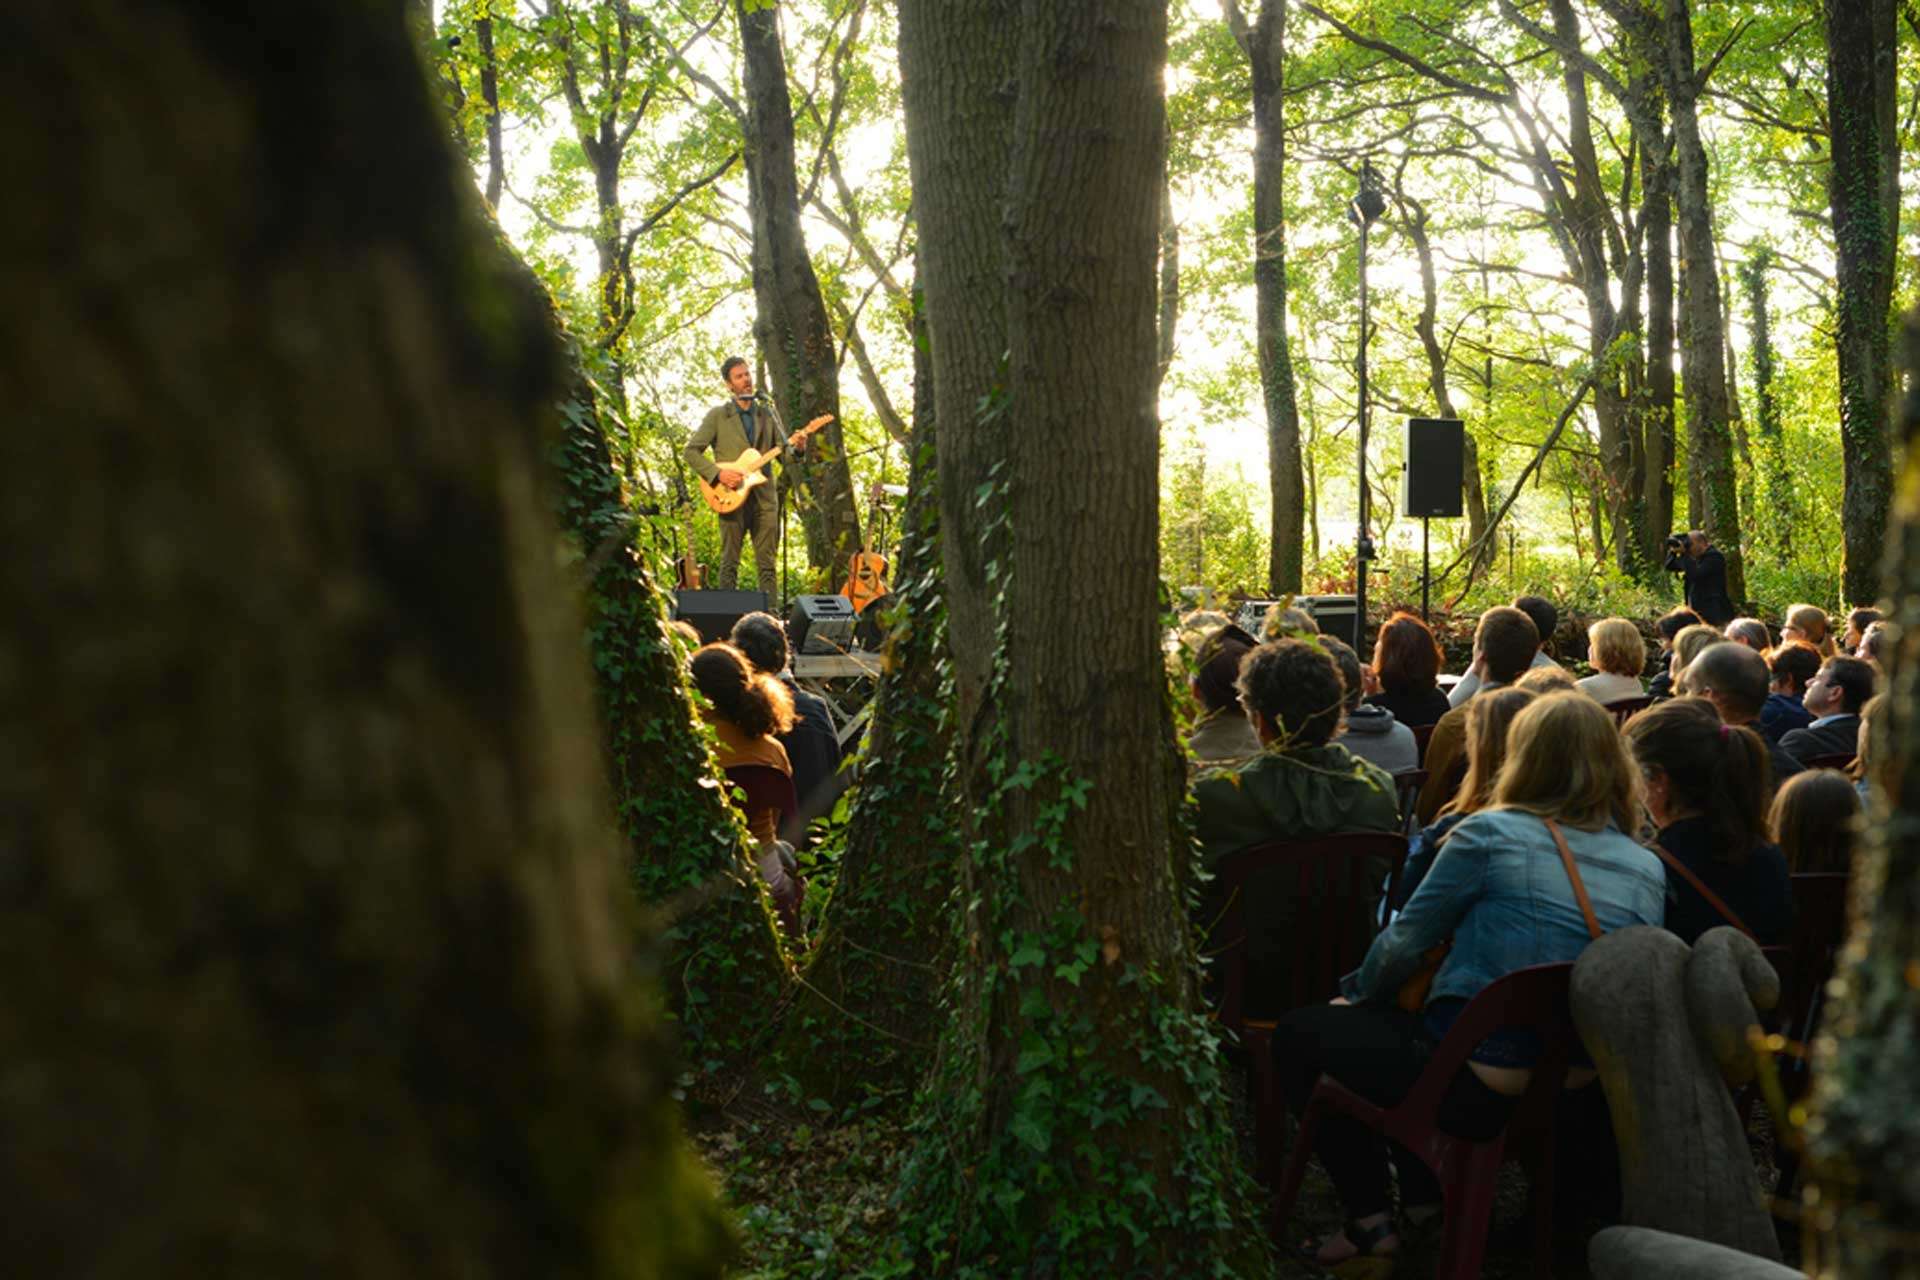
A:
[1677,539]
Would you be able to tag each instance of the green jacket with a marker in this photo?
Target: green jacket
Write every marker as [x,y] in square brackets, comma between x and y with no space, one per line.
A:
[722,431]
[1284,796]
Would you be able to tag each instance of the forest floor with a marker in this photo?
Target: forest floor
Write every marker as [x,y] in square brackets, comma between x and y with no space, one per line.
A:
[815,1200]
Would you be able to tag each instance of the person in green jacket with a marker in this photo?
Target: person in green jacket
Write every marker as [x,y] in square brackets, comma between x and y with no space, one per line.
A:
[1303,784]
[744,420]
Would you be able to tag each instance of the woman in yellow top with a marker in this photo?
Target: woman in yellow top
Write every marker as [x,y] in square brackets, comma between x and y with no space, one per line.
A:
[746,709]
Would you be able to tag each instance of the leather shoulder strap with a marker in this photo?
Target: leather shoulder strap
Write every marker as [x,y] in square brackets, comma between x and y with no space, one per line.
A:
[1573,874]
[1713,899]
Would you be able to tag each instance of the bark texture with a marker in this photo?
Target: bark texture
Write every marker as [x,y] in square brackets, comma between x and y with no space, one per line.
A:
[317,955]
[1866,1115]
[790,315]
[1064,1132]
[1864,192]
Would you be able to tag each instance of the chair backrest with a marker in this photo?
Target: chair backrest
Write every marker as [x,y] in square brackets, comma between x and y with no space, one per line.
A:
[763,787]
[1819,927]
[1337,881]
[1841,760]
[1406,786]
[1422,734]
[1624,709]
[1532,999]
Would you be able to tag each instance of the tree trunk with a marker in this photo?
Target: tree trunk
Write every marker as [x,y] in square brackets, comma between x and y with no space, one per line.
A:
[1865,1127]
[1056,1113]
[1702,346]
[867,1014]
[1776,484]
[1657,412]
[490,94]
[318,960]
[790,316]
[1265,46]
[1864,192]
[1169,284]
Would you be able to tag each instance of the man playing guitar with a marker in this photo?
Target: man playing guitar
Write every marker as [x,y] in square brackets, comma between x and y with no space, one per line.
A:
[743,421]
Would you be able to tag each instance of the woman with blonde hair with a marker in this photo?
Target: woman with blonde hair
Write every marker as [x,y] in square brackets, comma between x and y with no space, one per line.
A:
[1488,718]
[1808,622]
[1686,647]
[1503,891]
[1618,653]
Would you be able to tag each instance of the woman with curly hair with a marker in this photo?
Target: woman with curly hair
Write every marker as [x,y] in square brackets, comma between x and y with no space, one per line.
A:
[747,708]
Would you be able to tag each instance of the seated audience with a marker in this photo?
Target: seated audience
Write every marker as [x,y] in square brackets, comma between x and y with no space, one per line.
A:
[1222,735]
[1833,698]
[683,633]
[1618,654]
[1545,618]
[1287,620]
[1371,733]
[1553,679]
[1814,818]
[1876,644]
[1750,632]
[1791,666]
[1406,660]
[1706,790]
[1500,891]
[1687,646]
[1669,626]
[1505,644]
[1808,622]
[1488,717]
[811,744]
[1864,756]
[1857,623]
[1735,680]
[747,709]
[1303,784]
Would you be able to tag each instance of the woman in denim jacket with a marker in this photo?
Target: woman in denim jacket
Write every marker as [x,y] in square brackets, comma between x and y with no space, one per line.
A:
[1498,889]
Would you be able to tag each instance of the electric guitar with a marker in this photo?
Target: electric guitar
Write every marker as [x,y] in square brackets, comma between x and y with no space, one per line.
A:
[725,501]
[867,570]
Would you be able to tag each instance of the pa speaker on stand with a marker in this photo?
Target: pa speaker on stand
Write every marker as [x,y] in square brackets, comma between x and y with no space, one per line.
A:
[1434,480]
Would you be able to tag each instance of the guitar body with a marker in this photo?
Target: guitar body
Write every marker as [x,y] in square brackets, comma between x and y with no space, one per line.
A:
[725,501]
[866,579]
[688,574]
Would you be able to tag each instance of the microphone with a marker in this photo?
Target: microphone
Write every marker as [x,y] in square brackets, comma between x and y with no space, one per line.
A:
[759,395]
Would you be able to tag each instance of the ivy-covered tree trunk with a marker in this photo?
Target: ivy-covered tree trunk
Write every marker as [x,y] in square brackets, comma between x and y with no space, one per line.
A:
[1703,366]
[689,853]
[1866,1111]
[1864,191]
[318,960]
[1074,1124]
[1264,42]
[1776,484]
[1658,403]
[790,315]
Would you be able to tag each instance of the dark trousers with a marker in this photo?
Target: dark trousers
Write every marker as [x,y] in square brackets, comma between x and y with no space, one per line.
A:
[759,516]
[1377,1053]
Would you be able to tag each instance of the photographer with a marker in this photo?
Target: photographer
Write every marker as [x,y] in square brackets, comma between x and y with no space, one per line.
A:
[1704,571]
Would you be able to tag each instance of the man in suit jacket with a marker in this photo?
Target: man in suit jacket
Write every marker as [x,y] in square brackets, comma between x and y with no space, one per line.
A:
[1703,571]
[743,421]
[1834,698]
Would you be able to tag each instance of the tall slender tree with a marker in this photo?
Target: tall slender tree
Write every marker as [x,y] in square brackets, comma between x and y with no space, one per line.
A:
[1864,191]
[1066,1129]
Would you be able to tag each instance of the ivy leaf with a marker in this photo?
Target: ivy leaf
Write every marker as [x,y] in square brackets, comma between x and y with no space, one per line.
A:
[1034,1054]
[1030,1131]
[1030,954]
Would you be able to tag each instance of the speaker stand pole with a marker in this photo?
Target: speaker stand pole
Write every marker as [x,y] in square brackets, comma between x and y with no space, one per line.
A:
[1426,564]
[780,609]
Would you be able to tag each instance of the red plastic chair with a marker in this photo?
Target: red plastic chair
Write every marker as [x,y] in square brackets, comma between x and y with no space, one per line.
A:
[757,789]
[1422,734]
[1624,709]
[1534,998]
[1841,760]
[1338,879]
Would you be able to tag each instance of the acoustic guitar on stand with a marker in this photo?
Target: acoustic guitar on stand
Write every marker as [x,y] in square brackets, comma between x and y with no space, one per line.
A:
[750,464]
[867,571]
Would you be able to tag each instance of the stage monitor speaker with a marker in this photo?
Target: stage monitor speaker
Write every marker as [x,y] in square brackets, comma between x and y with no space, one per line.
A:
[713,613]
[821,624]
[1436,467]
[1333,615]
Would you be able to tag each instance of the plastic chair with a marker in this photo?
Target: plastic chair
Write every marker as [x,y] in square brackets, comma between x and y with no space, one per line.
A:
[1406,787]
[1624,709]
[1422,734]
[1534,998]
[1337,878]
[1841,760]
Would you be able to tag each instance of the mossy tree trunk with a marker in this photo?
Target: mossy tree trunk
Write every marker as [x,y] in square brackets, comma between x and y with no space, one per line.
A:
[1866,1112]
[318,957]
[1074,1124]
[1864,192]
